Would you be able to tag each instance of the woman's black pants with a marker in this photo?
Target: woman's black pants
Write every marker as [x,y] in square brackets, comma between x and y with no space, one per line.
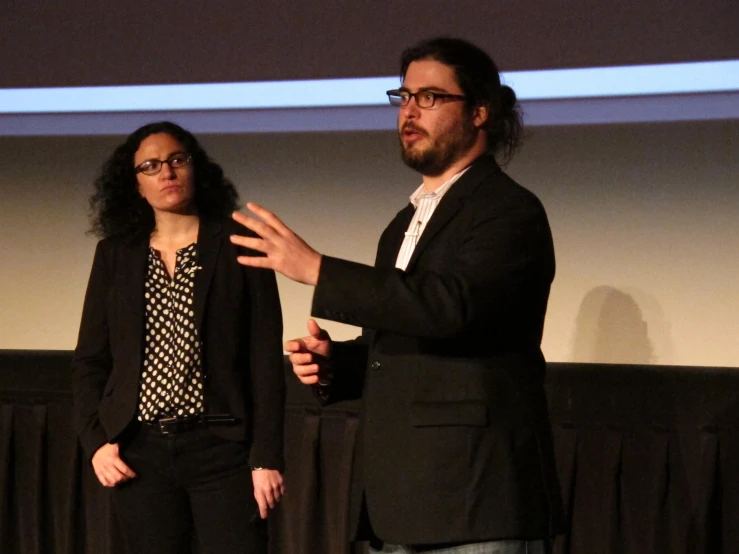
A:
[191,487]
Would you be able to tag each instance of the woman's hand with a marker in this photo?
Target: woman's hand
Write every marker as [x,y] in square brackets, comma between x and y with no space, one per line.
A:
[109,467]
[268,489]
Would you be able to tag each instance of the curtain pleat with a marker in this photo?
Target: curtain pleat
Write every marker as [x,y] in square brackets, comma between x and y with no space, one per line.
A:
[646,483]
[611,512]
[338,434]
[298,518]
[29,433]
[676,513]
[565,452]
[729,483]
[7,490]
[594,516]
[709,495]
[62,493]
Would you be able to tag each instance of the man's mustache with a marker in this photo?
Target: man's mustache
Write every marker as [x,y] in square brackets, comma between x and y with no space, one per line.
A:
[411,128]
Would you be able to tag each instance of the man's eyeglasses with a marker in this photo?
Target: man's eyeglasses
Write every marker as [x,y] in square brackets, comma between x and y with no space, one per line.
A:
[424,98]
[152,167]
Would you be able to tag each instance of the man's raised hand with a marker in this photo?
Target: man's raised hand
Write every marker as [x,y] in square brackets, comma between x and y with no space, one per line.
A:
[285,252]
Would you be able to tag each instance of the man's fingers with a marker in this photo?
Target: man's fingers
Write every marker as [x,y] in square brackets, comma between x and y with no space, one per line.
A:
[315,330]
[301,358]
[305,344]
[311,379]
[294,345]
[306,370]
[306,373]
[255,261]
[268,217]
[261,228]
[252,243]
[285,252]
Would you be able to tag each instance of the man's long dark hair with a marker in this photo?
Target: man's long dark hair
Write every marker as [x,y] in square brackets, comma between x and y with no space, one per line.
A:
[479,79]
[118,210]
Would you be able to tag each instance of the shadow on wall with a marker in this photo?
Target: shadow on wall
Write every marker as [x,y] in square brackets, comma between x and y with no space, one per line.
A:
[611,328]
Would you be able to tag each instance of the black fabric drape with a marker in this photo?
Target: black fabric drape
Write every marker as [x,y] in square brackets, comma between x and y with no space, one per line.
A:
[647,458]
[319,444]
[51,502]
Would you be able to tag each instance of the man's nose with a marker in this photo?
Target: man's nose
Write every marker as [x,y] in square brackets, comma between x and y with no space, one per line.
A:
[411,109]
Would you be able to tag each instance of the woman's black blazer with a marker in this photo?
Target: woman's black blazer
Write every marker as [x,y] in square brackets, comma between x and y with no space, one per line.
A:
[239,321]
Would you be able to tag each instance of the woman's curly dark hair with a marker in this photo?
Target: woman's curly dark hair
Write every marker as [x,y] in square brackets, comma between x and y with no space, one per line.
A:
[118,210]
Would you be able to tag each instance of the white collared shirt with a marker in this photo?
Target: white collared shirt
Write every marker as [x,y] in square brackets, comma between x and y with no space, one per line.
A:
[425,203]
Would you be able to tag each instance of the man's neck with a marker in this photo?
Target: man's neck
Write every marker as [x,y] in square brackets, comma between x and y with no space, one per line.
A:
[433,182]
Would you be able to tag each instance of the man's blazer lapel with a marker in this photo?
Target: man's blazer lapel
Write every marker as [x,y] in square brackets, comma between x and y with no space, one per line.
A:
[441,216]
[452,202]
[209,246]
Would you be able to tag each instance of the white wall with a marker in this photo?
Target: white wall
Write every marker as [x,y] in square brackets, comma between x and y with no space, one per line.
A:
[643,218]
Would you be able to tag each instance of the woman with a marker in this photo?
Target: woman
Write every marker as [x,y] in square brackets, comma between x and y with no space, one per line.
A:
[178,381]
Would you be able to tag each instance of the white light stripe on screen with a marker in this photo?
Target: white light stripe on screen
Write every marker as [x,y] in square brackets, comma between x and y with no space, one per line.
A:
[210,96]
[634,80]
[553,84]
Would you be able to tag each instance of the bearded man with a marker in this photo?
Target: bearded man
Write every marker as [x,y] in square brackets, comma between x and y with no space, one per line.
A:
[455,448]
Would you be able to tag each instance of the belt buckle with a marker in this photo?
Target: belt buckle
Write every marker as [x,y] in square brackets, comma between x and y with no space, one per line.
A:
[163,422]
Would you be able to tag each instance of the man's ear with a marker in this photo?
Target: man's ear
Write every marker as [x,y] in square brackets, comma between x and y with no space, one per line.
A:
[480,116]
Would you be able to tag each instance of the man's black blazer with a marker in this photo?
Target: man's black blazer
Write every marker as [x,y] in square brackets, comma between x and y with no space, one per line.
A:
[455,442]
[239,321]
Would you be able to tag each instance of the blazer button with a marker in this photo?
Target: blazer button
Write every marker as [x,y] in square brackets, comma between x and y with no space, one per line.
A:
[375,365]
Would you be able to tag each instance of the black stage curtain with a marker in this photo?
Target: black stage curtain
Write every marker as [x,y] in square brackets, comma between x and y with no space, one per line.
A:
[647,457]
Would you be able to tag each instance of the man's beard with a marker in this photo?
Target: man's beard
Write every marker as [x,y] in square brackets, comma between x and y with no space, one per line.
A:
[442,151]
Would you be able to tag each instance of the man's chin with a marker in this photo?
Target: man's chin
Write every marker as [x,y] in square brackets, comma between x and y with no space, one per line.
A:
[423,164]
[412,158]
[413,152]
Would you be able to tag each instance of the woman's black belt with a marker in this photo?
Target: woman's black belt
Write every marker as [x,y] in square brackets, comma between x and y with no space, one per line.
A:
[180,424]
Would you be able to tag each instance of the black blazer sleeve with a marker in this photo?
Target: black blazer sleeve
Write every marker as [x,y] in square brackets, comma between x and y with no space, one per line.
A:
[502,248]
[348,365]
[92,360]
[267,375]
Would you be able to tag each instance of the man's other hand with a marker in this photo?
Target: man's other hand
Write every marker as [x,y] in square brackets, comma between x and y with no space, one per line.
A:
[310,356]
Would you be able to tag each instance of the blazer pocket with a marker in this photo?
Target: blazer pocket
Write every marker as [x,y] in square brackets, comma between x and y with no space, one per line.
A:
[469,413]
